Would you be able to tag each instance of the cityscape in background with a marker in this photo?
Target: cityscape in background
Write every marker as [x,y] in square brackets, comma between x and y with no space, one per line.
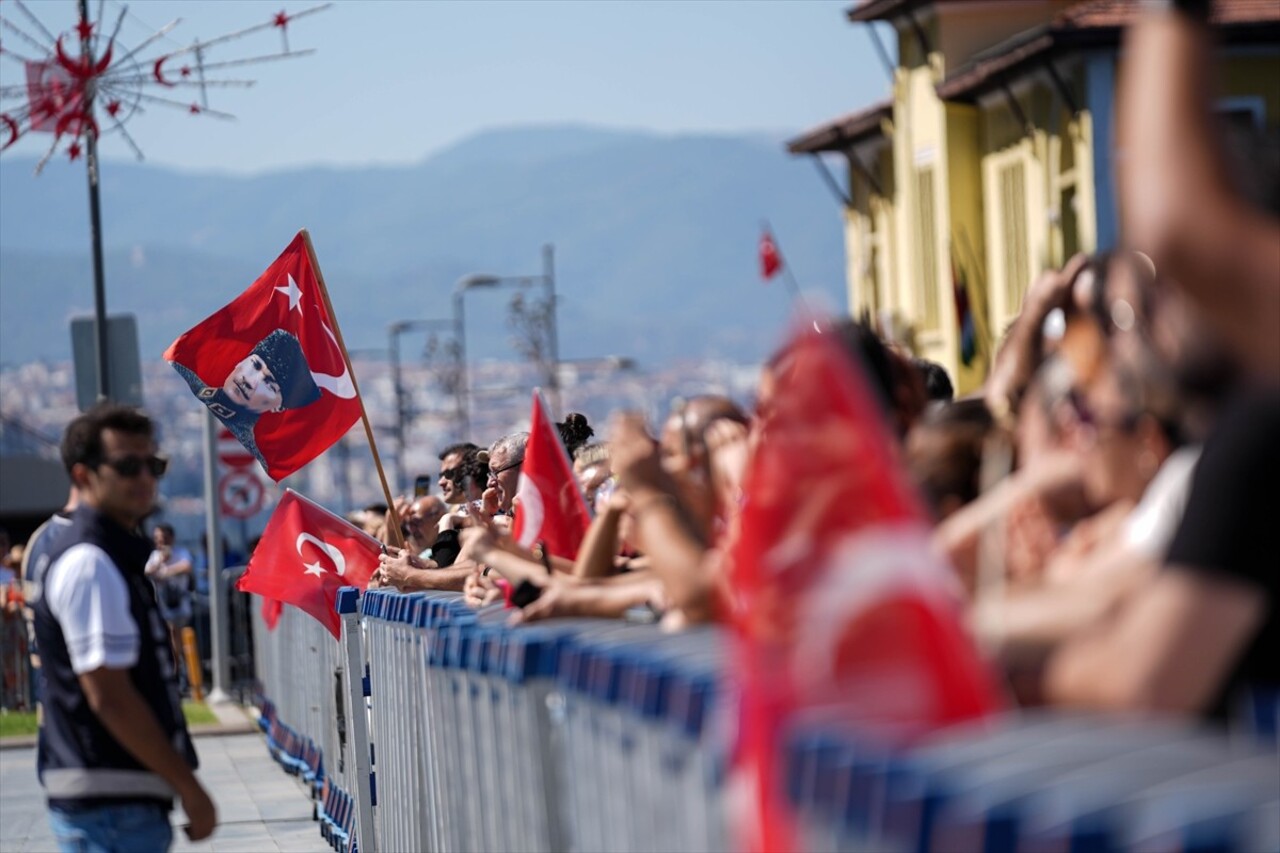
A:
[38,399]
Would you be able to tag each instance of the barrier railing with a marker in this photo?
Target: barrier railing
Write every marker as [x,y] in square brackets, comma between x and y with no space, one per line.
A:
[593,735]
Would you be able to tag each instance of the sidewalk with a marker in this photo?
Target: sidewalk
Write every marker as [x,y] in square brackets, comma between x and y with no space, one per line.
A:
[260,808]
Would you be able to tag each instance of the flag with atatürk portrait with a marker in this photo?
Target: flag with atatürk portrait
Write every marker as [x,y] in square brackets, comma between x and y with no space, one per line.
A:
[306,555]
[271,367]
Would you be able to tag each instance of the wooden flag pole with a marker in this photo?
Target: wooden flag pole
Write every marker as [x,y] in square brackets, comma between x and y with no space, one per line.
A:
[396,538]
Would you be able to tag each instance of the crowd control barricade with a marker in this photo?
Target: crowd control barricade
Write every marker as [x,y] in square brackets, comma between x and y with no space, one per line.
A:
[438,728]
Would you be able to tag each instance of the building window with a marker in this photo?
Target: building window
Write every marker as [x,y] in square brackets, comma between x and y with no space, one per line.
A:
[927,234]
[1013,224]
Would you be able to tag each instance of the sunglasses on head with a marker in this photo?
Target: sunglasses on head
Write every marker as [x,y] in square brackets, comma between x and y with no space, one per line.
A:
[132,466]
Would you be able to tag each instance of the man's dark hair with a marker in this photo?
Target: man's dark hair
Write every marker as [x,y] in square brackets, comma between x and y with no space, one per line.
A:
[461,447]
[473,466]
[937,384]
[82,442]
[166,529]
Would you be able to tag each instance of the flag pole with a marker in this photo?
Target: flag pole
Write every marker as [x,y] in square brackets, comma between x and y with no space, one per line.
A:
[790,280]
[396,539]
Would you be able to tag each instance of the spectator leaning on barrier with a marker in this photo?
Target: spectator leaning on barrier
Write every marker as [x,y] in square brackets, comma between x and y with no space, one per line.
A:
[114,747]
[1201,638]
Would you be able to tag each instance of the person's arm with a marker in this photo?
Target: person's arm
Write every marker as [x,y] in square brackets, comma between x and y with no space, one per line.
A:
[1176,201]
[1022,351]
[663,531]
[120,708]
[600,545]
[1169,650]
[179,566]
[407,573]
[563,598]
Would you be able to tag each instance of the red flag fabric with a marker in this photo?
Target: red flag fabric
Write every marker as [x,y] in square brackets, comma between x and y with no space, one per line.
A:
[271,610]
[838,604]
[550,506]
[306,555]
[270,367]
[770,259]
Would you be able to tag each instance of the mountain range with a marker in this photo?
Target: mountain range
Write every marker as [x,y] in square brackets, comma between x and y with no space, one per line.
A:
[655,241]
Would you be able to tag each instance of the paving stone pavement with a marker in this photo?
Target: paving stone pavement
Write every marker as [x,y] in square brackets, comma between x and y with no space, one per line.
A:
[260,808]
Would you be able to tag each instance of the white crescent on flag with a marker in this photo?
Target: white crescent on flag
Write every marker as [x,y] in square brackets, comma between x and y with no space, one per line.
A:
[341,386]
[335,555]
[531,510]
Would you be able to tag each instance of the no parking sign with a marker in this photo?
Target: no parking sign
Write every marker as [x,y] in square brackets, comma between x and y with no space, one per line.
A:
[241,494]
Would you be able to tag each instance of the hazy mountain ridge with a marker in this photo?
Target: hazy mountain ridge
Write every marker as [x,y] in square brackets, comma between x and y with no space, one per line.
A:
[655,240]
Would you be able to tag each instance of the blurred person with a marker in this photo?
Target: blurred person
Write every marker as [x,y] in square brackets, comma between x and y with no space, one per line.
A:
[594,474]
[505,456]
[169,568]
[114,747]
[937,384]
[575,432]
[944,454]
[1200,230]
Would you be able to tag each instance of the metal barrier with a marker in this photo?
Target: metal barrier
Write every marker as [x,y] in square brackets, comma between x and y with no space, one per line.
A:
[591,735]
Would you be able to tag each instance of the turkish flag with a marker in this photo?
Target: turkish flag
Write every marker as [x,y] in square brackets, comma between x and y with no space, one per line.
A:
[271,610]
[770,258]
[306,555]
[838,602]
[270,366]
[550,507]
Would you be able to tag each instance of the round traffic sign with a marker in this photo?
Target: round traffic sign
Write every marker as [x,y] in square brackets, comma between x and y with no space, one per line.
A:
[231,452]
[241,494]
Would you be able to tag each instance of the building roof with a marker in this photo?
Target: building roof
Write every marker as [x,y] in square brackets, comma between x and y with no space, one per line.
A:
[883,10]
[838,134]
[1087,13]
[1094,23]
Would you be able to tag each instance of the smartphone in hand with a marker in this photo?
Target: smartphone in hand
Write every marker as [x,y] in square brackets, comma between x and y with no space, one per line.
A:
[422,485]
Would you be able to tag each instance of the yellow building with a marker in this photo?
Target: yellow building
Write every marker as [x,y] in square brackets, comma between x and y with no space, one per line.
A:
[991,160]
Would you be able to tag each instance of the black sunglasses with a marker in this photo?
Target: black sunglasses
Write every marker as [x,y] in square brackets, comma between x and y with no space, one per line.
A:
[131,466]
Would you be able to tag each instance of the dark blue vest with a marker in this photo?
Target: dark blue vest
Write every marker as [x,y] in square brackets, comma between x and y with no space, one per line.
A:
[80,763]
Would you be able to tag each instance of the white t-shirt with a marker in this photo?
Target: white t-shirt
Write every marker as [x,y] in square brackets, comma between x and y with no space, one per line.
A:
[1150,526]
[90,599]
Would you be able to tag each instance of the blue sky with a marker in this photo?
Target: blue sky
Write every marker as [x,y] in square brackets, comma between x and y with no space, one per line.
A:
[395,80]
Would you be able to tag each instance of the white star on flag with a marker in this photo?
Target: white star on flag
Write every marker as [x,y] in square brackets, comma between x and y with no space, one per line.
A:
[314,569]
[293,292]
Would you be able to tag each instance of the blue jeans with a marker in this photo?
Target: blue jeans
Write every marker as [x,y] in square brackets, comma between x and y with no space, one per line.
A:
[126,828]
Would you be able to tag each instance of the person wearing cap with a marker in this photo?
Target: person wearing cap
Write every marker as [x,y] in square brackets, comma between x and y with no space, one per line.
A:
[272,378]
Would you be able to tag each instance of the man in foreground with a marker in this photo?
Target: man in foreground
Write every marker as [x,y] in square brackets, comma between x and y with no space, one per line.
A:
[114,748]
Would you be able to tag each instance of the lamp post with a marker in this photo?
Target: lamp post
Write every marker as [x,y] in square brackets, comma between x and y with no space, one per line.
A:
[548,280]
[394,331]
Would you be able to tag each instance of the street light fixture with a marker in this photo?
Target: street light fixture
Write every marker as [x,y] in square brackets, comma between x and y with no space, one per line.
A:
[394,331]
[547,279]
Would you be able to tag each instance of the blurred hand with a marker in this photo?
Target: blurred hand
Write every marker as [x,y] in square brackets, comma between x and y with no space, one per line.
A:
[633,455]
[479,590]
[727,445]
[201,813]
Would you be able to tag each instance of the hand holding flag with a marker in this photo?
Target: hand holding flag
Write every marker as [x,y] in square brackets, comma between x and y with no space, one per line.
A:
[306,555]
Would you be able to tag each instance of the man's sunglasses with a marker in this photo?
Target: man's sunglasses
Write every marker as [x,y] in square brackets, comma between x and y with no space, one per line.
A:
[131,466]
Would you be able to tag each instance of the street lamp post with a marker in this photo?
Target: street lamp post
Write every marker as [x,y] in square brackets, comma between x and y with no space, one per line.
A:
[548,280]
[395,330]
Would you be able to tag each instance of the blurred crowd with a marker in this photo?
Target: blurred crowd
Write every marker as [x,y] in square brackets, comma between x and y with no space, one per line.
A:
[1107,499]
